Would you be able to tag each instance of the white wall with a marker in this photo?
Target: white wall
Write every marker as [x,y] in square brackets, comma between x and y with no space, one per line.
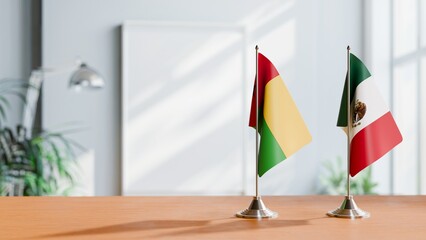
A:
[15,48]
[311,37]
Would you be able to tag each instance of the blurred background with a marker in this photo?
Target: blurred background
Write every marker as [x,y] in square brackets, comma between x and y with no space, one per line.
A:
[172,115]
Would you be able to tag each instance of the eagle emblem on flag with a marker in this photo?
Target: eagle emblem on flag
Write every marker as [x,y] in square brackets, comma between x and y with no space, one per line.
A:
[360,109]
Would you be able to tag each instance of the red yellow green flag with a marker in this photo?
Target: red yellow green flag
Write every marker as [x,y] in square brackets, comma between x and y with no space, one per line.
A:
[281,127]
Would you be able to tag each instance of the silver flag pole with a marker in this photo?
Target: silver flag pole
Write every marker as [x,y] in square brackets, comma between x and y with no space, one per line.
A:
[348,209]
[257,208]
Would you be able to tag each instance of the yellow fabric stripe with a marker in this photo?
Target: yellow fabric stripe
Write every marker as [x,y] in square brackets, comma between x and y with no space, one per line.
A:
[283,117]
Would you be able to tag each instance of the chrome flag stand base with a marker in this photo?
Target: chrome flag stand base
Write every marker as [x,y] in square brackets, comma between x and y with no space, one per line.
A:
[349,209]
[257,209]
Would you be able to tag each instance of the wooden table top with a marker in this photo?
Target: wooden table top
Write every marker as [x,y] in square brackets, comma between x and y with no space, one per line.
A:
[300,217]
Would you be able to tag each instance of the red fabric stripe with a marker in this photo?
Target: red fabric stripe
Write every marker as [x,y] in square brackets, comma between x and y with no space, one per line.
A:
[374,141]
[267,72]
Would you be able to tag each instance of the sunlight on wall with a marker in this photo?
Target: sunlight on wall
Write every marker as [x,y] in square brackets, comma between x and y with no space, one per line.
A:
[266,12]
[211,48]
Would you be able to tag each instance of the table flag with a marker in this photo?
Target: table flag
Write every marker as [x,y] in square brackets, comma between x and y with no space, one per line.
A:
[374,131]
[281,127]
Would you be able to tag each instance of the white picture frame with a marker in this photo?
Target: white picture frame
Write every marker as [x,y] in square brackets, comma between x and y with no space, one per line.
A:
[205,142]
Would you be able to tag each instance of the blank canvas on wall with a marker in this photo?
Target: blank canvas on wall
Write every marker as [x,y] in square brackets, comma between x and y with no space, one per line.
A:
[183,117]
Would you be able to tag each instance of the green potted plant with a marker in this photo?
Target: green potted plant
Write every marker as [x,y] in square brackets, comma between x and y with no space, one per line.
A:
[32,165]
[333,180]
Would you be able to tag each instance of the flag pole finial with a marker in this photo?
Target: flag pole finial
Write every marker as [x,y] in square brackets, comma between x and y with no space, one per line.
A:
[348,48]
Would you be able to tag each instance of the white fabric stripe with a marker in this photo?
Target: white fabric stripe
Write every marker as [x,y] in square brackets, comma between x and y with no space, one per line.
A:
[368,93]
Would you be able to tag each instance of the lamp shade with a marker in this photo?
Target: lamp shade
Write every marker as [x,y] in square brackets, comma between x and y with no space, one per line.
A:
[86,77]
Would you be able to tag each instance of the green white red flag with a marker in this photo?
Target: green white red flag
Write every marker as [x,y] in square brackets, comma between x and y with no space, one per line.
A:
[374,131]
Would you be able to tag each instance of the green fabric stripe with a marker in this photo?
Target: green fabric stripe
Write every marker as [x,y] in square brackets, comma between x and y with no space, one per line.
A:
[359,73]
[270,152]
